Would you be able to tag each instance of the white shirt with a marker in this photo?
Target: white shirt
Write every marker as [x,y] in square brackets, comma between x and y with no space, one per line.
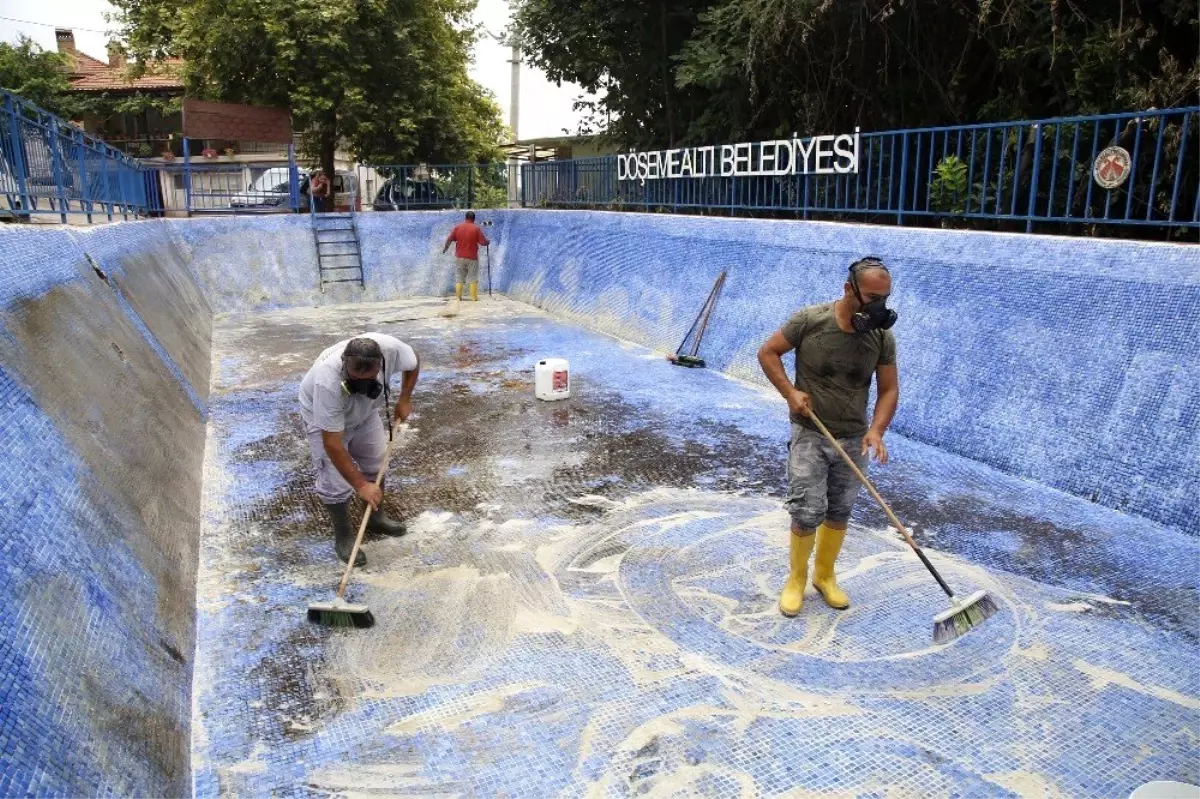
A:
[327,405]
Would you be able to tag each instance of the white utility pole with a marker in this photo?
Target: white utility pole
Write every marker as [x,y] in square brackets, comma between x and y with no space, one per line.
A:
[514,108]
[514,111]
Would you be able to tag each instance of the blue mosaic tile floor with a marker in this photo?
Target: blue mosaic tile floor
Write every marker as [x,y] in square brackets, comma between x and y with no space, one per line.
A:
[585,604]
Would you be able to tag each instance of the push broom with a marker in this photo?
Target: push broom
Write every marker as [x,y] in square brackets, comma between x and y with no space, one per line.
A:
[963,615]
[339,612]
[692,360]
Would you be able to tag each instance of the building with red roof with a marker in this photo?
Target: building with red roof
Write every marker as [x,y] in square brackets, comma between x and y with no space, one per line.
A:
[149,122]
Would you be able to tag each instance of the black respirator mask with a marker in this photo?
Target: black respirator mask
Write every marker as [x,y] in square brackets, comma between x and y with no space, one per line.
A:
[363,385]
[874,315]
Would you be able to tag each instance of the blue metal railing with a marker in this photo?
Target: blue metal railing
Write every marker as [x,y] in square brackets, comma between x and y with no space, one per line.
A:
[237,187]
[1024,172]
[49,166]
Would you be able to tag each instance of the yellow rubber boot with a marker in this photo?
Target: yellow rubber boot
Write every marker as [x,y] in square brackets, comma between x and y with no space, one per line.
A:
[829,544]
[792,598]
[474,292]
[458,287]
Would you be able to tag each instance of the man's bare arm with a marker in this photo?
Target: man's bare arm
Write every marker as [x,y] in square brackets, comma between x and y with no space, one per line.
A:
[770,358]
[887,396]
[407,384]
[340,458]
[887,383]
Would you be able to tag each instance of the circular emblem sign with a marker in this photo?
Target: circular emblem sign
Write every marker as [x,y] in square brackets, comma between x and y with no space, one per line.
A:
[1111,167]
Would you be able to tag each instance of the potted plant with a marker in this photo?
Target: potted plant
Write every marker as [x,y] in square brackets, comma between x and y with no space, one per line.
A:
[209,152]
[168,155]
[230,151]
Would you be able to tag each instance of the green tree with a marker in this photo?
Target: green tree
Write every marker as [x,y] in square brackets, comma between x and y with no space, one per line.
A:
[623,51]
[806,65]
[387,77]
[694,71]
[38,75]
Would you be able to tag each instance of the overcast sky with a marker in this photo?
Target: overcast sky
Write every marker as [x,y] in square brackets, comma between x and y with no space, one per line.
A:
[545,108]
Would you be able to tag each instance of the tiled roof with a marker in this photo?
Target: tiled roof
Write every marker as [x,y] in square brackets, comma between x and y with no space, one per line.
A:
[86,65]
[162,75]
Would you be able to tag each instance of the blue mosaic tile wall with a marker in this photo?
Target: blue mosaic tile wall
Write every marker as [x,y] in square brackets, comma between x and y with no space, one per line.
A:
[258,263]
[101,445]
[150,269]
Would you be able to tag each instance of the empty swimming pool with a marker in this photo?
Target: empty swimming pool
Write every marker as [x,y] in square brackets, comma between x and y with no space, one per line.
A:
[586,600]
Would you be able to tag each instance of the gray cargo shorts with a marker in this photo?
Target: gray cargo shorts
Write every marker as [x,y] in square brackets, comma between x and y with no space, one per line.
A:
[468,270]
[820,484]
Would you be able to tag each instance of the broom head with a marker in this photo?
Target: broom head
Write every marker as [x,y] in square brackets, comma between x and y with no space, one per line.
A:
[690,361]
[963,617]
[340,613]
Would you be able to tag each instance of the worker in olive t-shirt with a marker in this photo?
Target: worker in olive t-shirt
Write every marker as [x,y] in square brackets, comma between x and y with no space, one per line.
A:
[839,346]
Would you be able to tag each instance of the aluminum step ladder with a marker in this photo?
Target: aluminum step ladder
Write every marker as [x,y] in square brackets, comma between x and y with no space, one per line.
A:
[339,253]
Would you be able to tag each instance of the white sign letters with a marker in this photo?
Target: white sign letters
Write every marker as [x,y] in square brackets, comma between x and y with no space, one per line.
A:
[818,155]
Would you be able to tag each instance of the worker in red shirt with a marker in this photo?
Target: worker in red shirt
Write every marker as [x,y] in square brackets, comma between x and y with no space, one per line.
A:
[467,236]
[320,192]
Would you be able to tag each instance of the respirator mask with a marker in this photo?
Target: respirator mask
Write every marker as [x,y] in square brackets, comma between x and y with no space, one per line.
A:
[874,315]
[370,386]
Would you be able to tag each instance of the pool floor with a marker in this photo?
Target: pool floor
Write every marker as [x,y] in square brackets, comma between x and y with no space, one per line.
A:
[585,603]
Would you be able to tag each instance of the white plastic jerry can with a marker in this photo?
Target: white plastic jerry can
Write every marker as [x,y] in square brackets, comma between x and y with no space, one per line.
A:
[552,379]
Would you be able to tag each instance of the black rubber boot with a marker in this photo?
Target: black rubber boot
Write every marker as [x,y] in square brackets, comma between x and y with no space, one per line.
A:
[343,536]
[381,524]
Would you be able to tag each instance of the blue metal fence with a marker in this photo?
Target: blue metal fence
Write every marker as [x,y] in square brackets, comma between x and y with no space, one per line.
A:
[49,166]
[1026,173]
[203,187]
[1023,174]
[236,187]
[401,187]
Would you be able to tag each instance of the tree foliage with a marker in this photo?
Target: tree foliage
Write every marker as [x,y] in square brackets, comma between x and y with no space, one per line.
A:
[722,70]
[387,77]
[624,50]
[37,75]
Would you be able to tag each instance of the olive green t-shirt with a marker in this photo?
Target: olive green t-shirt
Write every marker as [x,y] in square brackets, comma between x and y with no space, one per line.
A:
[835,368]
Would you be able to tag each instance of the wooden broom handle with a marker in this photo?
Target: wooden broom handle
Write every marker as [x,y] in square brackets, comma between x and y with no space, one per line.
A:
[362,526]
[863,478]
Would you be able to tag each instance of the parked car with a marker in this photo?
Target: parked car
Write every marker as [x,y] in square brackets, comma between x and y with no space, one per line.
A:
[398,194]
[271,189]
